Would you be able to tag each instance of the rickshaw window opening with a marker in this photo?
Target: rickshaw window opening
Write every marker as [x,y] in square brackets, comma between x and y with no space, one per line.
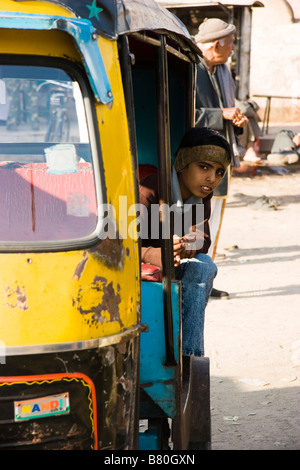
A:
[175,49]
[50,183]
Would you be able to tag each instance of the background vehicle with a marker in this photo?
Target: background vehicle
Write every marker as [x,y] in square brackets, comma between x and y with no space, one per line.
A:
[72,303]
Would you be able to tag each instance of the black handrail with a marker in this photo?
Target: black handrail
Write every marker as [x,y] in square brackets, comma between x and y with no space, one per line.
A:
[164,165]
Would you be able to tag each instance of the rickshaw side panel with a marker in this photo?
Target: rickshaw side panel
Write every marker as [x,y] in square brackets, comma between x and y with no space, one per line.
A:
[117,259]
[158,380]
[71,316]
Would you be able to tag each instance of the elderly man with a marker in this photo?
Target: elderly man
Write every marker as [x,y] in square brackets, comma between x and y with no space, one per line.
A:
[215,107]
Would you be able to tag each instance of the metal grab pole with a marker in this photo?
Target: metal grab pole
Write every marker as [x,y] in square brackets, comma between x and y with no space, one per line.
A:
[164,165]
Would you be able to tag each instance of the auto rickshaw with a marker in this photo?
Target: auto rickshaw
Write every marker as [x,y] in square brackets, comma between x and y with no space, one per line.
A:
[91,94]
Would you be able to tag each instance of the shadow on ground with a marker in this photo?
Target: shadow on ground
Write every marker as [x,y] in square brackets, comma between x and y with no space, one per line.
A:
[264,418]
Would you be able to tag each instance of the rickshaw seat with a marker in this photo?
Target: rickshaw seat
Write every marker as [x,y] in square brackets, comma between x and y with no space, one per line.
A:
[146,170]
[149,272]
[38,205]
[157,380]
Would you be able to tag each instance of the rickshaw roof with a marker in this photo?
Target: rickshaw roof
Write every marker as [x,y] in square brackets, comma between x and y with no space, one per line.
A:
[208,3]
[108,18]
[112,18]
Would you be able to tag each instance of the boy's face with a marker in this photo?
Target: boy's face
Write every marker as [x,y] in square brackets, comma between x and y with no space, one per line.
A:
[200,178]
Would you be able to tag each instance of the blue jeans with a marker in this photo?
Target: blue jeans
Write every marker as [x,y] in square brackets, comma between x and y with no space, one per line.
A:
[196,276]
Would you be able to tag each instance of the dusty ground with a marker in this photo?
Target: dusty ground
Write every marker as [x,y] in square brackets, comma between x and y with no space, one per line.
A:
[253,338]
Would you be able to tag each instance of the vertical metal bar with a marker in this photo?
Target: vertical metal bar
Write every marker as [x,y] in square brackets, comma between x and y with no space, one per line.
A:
[190,96]
[164,165]
[126,62]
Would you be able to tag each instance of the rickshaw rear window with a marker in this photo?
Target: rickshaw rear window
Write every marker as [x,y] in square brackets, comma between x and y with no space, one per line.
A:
[46,170]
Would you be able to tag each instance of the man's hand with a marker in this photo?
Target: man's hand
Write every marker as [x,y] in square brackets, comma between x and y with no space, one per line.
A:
[236,116]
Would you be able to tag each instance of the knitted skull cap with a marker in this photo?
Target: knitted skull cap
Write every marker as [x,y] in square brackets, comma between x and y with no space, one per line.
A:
[212,29]
[202,144]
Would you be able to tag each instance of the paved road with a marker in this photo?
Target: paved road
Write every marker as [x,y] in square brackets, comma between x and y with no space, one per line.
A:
[253,339]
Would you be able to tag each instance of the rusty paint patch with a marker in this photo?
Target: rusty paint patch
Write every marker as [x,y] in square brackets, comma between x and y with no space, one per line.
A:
[80,267]
[110,252]
[17,297]
[109,303]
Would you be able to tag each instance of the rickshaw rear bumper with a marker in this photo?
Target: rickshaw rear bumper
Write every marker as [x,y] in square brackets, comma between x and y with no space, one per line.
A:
[80,399]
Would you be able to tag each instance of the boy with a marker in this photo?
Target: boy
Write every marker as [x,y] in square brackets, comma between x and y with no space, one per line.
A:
[200,164]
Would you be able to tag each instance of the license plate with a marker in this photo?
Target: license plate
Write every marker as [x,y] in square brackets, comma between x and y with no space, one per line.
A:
[52,405]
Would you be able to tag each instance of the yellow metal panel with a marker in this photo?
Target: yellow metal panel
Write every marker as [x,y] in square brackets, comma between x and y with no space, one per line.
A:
[60,297]
[50,298]
[115,143]
[34,7]
[37,42]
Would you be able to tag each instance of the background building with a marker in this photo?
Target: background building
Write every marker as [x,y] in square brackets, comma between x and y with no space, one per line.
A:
[275,59]
[267,58]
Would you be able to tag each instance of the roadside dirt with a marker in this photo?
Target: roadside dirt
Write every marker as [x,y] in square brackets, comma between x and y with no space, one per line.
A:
[253,338]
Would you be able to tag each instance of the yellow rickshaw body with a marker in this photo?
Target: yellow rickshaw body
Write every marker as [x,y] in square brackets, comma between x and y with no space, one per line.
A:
[69,304]
[45,299]
[74,372]
[65,296]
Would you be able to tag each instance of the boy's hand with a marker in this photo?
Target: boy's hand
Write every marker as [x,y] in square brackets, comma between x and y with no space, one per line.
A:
[183,248]
[187,246]
[178,248]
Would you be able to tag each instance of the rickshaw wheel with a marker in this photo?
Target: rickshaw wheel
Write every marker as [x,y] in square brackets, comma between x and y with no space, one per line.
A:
[200,430]
[191,429]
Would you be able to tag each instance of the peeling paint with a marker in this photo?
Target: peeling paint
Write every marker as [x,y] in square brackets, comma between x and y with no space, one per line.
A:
[110,356]
[125,383]
[109,303]
[110,252]
[17,297]
[80,267]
